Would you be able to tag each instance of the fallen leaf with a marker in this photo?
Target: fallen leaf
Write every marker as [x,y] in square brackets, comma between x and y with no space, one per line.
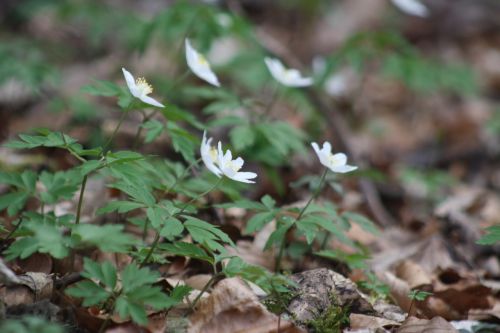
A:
[435,325]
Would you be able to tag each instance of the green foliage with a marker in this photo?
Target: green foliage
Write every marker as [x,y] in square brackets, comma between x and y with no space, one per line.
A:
[353,260]
[375,286]
[128,298]
[269,282]
[492,236]
[398,59]
[332,320]
[418,295]
[40,233]
[29,324]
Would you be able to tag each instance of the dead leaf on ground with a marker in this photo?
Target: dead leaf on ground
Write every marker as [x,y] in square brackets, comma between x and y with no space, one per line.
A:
[233,308]
[370,322]
[413,274]
[435,325]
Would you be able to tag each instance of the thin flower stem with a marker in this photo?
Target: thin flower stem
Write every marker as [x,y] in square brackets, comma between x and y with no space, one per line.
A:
[201,195]
[151,250]
[120,122]
[80,200]
[179,80]
[205,288]
[277,266]
[140,128]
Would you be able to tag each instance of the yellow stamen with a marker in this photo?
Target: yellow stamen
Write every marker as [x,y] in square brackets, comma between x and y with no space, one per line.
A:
[202,60]
[213,153]
[144,85]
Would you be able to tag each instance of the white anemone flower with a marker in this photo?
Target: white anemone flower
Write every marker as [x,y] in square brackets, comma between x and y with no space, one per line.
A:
[199,65]
[335,162]
[140,89]
[412,7]
[209,155]
[231,168]
[288,77]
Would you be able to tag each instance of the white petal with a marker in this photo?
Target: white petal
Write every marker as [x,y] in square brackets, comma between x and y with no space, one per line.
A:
[244,177]
[344,168]
[412,7]
[316,148]
[129,78]
[301,82]
[203,72]
[151,101]
[339,159]
[327,148]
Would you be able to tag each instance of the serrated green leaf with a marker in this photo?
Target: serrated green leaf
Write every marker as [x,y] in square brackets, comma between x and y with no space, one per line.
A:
[363,222]
[108,238]
[91,293]
[187,250]
[492,236]
[258,221]
[154,128]
[172,228]
[119,206]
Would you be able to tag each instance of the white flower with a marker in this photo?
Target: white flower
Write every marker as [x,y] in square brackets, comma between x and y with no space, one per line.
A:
[140,89]
[335,162]
[230,168]
[411,7]
[288,77]
[199,65]
[209,155]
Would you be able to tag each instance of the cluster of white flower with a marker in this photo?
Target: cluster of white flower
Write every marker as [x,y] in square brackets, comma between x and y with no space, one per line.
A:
[218,162]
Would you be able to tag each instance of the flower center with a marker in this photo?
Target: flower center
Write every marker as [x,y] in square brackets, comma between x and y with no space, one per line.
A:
[213,153]
[202,61]
[333,160]
[232,166]
[143,86]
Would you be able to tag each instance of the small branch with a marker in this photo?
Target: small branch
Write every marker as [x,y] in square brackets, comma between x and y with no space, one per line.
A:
[80,200]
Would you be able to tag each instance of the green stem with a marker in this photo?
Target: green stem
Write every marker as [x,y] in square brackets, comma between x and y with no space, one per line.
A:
[139,130]
[151,250]
[199,196]
[80,200]
[205,288]
[277,265]
[120,122]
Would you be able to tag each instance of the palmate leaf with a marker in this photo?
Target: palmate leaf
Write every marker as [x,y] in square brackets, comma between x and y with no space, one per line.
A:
[187,250]
[40,233]
[154,128]
[108,238]
[206,233]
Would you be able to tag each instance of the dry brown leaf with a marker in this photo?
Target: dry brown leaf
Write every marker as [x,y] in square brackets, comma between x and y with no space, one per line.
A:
[198,281]
[486,314]
[233,308]
[413,274]
[399,289]
[370,322]
[435,325]
[37,262]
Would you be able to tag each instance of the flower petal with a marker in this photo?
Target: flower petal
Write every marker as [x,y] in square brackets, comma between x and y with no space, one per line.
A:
[204,72]
[129,78]
[151,101]
[245,177]
[412,7]
[338,159]
[343,168]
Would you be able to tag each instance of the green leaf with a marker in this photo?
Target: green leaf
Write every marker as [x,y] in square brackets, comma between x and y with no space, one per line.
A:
[187,250]
[258,221]
[172,228]
[492,237]
[134,277]
[154,128]
[278,235]
[363,222]
[245,204]
[13,201]
[242,136]
[91,293]
[183,142]
[119,206]
[206,233]
[127,308]
[108,238]
[268,201]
